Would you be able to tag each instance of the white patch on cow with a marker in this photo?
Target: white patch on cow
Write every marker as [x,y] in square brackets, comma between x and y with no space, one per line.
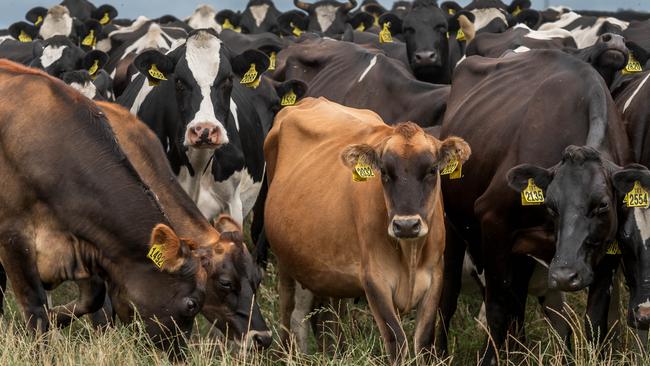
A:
[137,24]
[544,35]
[521,49]
[645,304]
[233,111]
[199,159]
[4,38]
[560,8]
[586,36]
[373,61]
[104,45]
[142,95]
[461,60]
[234,196]
[154,38]
[565,19]
[259,12]
[203,59]
[483,17]
[539,260]
[204,17]
[88,89]
[636,91]
[57,22]
[325,16]
[51,54]
[642,220]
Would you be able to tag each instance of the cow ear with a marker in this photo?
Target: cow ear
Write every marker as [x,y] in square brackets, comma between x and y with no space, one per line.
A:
[225,223]
[363,153]
[104,14]
[292,23]
[624,179]
[640,54]
[517,6]
[243,64]
[290,91]
[23,31]
[228,19]
[166,249]
[450,7]
[36,15]
[518,176]
[88,32]
[94,61]
[154,65]
[395,23]
[361,21]
[532,18]
[454,148]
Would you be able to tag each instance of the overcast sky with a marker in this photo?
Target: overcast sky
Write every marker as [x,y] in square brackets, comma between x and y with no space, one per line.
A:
[14,10]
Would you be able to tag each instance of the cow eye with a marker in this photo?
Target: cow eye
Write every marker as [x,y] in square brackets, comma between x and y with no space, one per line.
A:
[551,211]
[602,208]
[226,284]
[191,306]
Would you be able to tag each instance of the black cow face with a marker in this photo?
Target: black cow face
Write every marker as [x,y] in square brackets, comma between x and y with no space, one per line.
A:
[327,16]
[580,198]
[260,16]
[608,55]
[59,55]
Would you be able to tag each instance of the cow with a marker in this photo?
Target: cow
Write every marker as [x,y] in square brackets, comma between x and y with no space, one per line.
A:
[96,87]
[495,16]
[382,238]
[586,29]
[489,215]
[259,16]
[637,32]
[123,221]
[204,16]
[519,38]
[326,16]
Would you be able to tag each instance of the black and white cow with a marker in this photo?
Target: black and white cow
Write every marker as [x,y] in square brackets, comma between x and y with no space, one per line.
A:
[204,16]
[585,29]
[326,16]
[519,38]
[259,16]
[96,87]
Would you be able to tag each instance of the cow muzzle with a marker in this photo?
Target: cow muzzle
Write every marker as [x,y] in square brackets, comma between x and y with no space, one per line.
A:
[427,58]
[204,136]
[567,279]
[642,313]
[407,227]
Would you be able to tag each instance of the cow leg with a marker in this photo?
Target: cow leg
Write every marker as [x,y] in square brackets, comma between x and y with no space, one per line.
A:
[327,326]
[287,290]
[303,305]
[599,297]
[92,292]
[20,266]
[425,323]
[380,299]
[3,288]
[257,228]
[553,306]
[105,316]
[523,266]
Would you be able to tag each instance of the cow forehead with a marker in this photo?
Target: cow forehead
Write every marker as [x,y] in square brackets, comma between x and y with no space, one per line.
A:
[406,145]
[203,57]
[325,15]
[425,16]
[483,17]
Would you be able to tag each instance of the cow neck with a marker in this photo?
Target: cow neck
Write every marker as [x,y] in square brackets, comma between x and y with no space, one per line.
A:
[412,254]
[601,132]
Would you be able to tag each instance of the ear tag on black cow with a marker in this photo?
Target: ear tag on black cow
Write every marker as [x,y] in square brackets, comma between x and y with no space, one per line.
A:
[376,21]
[633,66]
[295,30]
[517,11]
[156,255]
[532,195]
[384,34]
[289,98]
[93,69]
[460,35]
[156,75]
[250,76]
[361,27]
[90,39]
[38,21]
[613,248]
[227,25]
[24,37]
[637,197]
[105,19]
[451,11]
[272,59]
[362,172]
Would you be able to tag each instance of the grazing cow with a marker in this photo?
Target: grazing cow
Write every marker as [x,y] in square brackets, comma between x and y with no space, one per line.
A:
[326,16]
[383,238]
[585,29]
[581,203]
[110,234]
[259,16]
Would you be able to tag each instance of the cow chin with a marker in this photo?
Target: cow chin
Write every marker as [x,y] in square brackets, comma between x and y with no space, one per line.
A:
[407,227]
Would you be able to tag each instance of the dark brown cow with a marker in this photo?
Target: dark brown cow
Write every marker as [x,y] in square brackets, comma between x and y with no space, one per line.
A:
[383,238]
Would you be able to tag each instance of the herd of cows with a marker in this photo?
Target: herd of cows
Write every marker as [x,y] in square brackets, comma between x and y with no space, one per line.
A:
[382,153]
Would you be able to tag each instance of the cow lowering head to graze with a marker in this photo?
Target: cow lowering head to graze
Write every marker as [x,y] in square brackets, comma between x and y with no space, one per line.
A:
[326,16]
[377,221]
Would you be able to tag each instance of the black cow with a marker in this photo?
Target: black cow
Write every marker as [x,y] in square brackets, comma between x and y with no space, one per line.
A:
[326,16]
[637,32]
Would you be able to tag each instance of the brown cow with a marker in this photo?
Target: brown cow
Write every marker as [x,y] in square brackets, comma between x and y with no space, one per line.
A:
[383,238]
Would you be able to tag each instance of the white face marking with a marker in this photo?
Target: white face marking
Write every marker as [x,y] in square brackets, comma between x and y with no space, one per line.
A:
[636,91]
[233,111]
[259,13]
[88,89]
[373,61]
[154,38]
[642,220]
[51,54]
[104,45]
[484,16]
[145,89]
[203,60]
[204,17]
[58,24]
[325,15]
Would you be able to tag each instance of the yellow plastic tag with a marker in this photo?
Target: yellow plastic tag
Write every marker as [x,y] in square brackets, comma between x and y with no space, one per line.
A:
[361,27]
[105,19]
[451,11]
[289,98]
[24,37]
[362,172]
[155,73]
[460,36]
[613,248]
[250,76]
[93,69]
[272,59]
[516,11]
[633,66]
[227,25]
[156,255]
[450,167]
[384,34]
[90,39]
[532,195]
[38,21]
[295,30]
[637,197]
[376,21]
[254,84]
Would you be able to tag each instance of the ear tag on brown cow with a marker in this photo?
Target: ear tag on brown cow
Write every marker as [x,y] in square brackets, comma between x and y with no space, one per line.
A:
[272,59]
[93,69]
[156,255]
[532,195]
[633,66]
[38,21]
[90,39]
[24,37]
[450,167]
[516,11]
[613,248]
[460,35]
[362,172]
[361,27]
[105,19]
[295,30]
[289,98]
[637,197]
[250,76]
[384,34]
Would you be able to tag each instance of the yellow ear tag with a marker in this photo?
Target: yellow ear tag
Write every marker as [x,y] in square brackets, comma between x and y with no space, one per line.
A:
[362,172]
[250,76]
[156,255]
[633,66]
[238,29]
[613,248]
[532,195]
[361,27]
[295,30]
[38,21]
[637,197]
[93,69]
[272,59]
[155,73]
[460,36]
[384,34]
[376,21]
[105,19]
[90,39]
[24,37]
[451,11]
[454,169]
[289,98]
[516,11]
[227,25]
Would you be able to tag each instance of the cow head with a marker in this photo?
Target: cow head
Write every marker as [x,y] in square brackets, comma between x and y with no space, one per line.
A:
[36,15]
[57,22]
[608,55]
[230,302]
[260,16]
[327,16]
[581,200]
[409,162]
[59,55]
[204,16]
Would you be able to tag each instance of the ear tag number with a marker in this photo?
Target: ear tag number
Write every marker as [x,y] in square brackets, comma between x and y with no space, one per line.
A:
[156,255]
[362,172]
[295,30]
[289,98]
[24,37]
[532,195]
[384,34]
[272,59]
[633,66]
[93,69]
[250,76]
[90,39]
[105,19]
[613,248]
[637,197]
[38,21]
[517,11]
[460,35]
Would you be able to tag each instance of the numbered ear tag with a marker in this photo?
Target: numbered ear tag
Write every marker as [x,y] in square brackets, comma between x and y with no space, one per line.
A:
[637,197]
[633,66]
[155,73]
[384,34]
[361,27]
[460,35]
[105,19]
[24,37]
[38,21]
[453,169]
[93,69]
[613,248]
[156,255]
[451,11]
[289,98]
[250,76]
[89,40]
[362,172]
[227,25]
[532,195]
[272,59]
[295,30]
[517,11]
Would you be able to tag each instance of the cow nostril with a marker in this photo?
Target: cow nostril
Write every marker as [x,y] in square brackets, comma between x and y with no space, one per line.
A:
[607,37]
[198,129]
[262,340]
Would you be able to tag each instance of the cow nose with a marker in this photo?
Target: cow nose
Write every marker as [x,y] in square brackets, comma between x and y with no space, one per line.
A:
[613,41]
[565,279]
[426,57]
[263,340]
[203,134]
[407,228]
[643,313]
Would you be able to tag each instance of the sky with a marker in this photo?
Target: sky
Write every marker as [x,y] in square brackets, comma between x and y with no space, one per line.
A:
[14,10]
